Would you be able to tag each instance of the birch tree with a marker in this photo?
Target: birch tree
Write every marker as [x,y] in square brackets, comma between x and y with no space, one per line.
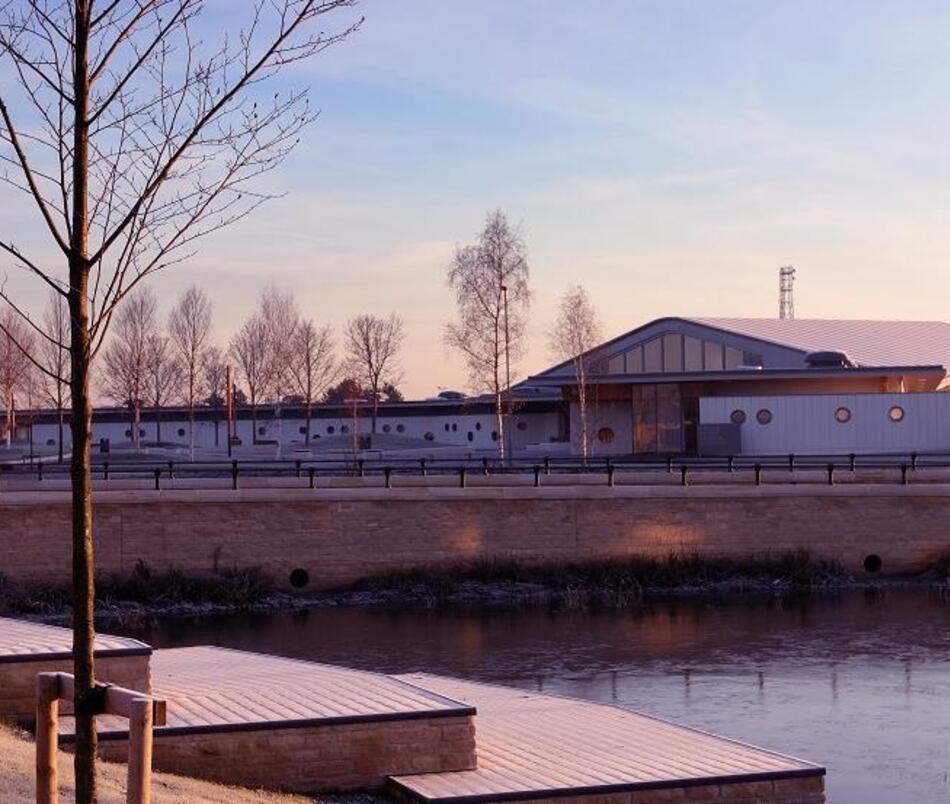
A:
[16,362]
[132,129]
[312,365]
[53,355]
[189,327]
[279,314]
[490,282]
[372,349]
[575,332]
[163,375]
[250,349]
[214,383]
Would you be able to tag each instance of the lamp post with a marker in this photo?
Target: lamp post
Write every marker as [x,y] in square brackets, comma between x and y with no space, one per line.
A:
[507,404]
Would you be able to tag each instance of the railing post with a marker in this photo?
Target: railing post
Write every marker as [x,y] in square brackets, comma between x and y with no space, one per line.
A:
[831,474]
[547,465]
[851,460]
[422,467]
[913,461]
[387,474]
[139,788]
[105,470]
[158,475]
[298,466]
[684,475]
[903,474]
[234,475]
[39,470]
[537,476]
[359,465]
[171,470]
[484,465]
[669,464]
[47,738]
[610,473]
[758,474]
[462,477]
[310,471]
[732,463]
[791,462]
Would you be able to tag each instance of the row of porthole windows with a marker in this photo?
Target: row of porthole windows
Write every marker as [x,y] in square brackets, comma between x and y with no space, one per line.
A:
[842,415]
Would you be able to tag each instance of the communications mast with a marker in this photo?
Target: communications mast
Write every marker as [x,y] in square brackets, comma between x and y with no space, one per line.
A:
[786,301]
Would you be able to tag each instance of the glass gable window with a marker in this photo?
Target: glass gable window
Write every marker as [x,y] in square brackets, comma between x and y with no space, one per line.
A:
[653,356]
[712,353]
[635,361]
[692,354]
[673,352]
[733,358]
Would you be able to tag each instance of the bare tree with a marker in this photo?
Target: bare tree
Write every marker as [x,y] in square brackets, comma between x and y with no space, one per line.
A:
[372,350]
[250,349]
[490,281]
[189,327]
[163,376]
[127,357]
[575,332]
[312,365]
[53,354]
[16,346]
[132,134]
[214,383]
[278,312]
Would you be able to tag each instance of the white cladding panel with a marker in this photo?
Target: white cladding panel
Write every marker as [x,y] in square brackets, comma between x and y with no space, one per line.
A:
[807,424]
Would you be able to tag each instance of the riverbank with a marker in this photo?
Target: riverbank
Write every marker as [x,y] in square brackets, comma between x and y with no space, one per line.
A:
[483,585]
[17,782]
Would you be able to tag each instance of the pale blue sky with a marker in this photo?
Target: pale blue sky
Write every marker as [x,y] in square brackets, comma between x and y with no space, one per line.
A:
[668,155]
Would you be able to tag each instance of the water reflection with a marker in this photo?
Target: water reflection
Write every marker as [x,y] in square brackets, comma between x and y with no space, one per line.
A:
[860,683]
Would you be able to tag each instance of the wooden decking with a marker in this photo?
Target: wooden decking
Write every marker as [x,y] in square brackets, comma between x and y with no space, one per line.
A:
[533,746]
[23,641]
[210,689]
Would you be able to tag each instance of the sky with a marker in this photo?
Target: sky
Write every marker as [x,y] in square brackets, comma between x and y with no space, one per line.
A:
[669,155]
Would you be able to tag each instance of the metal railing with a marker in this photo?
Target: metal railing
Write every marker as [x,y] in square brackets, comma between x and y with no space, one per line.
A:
[683,470]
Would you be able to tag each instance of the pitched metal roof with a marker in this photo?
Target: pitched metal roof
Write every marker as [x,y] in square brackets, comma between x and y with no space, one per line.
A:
[866,342]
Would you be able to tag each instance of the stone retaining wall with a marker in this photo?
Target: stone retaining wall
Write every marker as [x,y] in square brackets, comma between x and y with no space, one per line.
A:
[342,535]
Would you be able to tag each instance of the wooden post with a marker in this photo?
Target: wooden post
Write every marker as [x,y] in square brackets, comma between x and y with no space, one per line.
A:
[47,738]
[140,752]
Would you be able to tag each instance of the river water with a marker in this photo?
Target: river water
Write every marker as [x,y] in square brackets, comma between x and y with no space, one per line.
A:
[857,682]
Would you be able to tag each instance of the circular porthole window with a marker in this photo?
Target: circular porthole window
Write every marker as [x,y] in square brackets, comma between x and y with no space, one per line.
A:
[331,429]
[400,428]
[345,428]
[737,416]
[470,436]
[896,413]
[181,432]
[299,578]
[429,436]
[261,430]
[522,426]
[302,430]
[494,435]
[764,416]
[478,425]
[386,428]
[843,415]
[605,435]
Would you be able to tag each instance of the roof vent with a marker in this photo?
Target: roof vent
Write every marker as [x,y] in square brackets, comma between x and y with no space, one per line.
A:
[828,359]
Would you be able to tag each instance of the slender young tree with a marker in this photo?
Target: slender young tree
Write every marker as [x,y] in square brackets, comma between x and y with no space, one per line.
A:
[134,129]
[189,327]
[575,332]
[16,362]
[127,357]
[250,349]
[490,282]
[54,358]
[214,383]
[163,376]
[279,314]
[312,364]
[372,351]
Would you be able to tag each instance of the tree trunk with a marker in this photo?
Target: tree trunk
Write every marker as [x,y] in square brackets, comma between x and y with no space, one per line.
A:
[253,420]
[60,438]
[582,404]
[499,422]
[309,415]
[158,423]
[81,423]
[375,410]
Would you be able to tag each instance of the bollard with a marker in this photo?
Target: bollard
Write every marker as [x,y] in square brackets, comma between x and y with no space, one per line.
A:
[158,475]
[903,474]
[537,476]
[851,458]
[684,475]
[234,475]
[387,475]
[669,464]
[791,462]
[171,469]
[310,471]
[462,477]
[758,474]
[422,467]
[610,473]
[484,466]
[298,466]
[913,461]
[547,465]
[732,463]
[831,474]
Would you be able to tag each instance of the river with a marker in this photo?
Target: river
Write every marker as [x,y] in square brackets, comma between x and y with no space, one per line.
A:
[855,681]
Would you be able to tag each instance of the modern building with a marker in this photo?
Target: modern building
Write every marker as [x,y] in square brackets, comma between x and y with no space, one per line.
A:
[673,386]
